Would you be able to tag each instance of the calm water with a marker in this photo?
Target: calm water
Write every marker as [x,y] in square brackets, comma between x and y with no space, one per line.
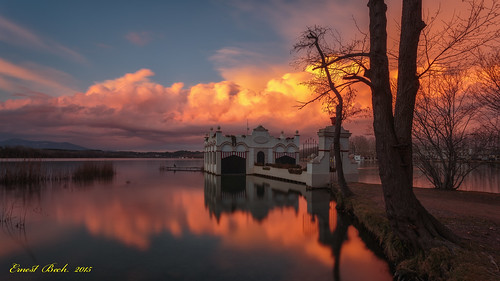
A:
[151,225]
[486,178]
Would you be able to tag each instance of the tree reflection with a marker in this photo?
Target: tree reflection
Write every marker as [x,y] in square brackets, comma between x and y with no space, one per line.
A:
[259,196]
[335,239]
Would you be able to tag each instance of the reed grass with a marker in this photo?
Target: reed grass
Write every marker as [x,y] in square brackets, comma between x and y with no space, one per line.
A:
[25,172]
[91,171]
[28,172]
[9,219]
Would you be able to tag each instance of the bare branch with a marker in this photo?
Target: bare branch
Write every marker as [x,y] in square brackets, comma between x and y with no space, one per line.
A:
[341,58]
[360,79]
[318,97]
[452,44]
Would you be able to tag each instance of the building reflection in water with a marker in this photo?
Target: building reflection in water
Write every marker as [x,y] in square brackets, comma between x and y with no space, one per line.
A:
[259,196]
[226,194]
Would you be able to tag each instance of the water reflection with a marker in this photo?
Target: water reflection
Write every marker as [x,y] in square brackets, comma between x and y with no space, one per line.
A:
[249,194]
[259,196]
[150,225]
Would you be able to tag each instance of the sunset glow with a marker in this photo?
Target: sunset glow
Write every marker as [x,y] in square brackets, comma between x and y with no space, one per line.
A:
[150,86]
[134,218]
[239,139]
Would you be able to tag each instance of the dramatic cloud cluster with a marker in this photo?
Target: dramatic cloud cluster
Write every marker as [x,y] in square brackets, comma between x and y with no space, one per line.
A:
[133,112]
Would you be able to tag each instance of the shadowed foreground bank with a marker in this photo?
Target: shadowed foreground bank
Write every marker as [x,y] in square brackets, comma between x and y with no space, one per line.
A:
[474,216]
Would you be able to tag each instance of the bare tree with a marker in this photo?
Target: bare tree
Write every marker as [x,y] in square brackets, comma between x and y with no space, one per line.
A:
[363,146]
[336,69]
[487,92]
[444,114]
[393,129]
[393,114]
[410,220]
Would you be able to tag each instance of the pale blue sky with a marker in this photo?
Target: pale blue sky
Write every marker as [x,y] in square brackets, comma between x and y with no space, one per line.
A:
[105,39]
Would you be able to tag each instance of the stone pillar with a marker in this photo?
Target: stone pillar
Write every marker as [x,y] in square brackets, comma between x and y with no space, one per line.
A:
[205,159]
[218,162]
[270,156]
[250,161]
[318,169]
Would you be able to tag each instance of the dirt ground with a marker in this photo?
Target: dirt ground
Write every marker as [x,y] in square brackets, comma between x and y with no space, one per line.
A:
[474,216]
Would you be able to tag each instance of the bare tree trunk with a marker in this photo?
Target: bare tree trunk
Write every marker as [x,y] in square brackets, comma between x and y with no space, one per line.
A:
[410,220]
[408,82]
[313,39]
[339,168]
[344,189]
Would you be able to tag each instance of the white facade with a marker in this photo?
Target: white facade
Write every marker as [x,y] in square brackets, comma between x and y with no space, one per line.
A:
[257,148]
[250,153]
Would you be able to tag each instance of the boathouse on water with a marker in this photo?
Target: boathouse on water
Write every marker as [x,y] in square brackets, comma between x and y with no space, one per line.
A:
[252,154]
[229,154]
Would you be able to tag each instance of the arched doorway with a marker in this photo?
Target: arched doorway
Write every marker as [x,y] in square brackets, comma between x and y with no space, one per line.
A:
[261,158]
[233,165]
[285,160]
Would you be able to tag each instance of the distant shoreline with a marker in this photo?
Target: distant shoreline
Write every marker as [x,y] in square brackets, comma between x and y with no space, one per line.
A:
[36,153]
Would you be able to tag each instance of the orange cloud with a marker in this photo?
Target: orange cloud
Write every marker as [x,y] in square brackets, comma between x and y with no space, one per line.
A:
[35,75]
[134,111]
[139,38]
[249,69]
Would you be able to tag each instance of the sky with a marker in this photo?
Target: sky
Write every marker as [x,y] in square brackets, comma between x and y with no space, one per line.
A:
[157,75]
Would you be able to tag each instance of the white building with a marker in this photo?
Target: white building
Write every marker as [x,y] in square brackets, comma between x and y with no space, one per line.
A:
[229,154]
[249,154]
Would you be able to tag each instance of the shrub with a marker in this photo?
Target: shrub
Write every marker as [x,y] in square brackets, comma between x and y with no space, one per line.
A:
[296,171]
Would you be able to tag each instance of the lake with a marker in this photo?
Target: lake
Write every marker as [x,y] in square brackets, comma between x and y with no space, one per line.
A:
[486,178]
[148,224]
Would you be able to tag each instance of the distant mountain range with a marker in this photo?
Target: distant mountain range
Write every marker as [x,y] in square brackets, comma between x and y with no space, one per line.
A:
[41,144]
[19,148]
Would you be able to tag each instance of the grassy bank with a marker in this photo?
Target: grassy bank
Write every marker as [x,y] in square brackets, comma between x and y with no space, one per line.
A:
[471,215]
